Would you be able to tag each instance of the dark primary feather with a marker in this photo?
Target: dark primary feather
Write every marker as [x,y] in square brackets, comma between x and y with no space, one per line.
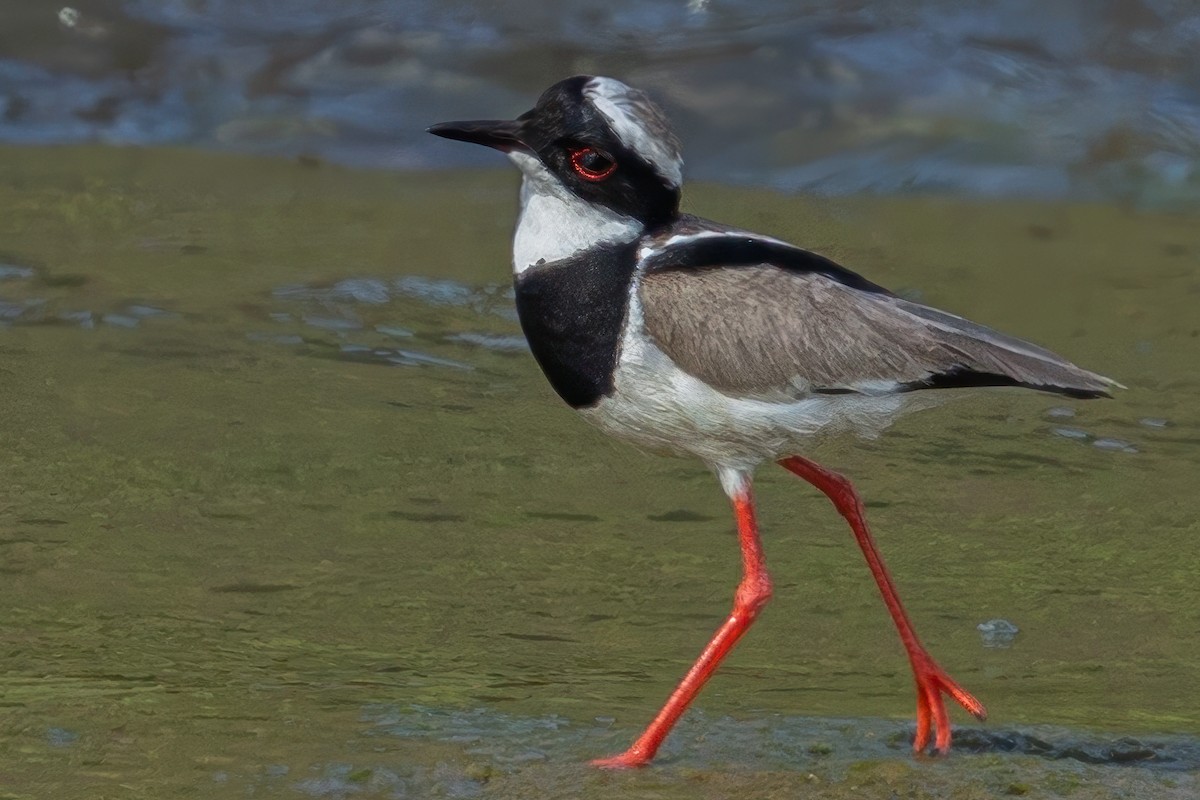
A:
[766,328]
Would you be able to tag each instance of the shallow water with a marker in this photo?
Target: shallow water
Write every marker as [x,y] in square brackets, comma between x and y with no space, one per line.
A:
[286,508]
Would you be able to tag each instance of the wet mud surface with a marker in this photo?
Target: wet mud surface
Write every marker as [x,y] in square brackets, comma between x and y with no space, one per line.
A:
[287,510]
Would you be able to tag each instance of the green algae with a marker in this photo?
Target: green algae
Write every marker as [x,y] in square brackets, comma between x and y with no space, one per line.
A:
[215,551]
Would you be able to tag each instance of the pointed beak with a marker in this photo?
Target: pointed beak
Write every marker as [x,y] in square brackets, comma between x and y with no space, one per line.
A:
[502,134]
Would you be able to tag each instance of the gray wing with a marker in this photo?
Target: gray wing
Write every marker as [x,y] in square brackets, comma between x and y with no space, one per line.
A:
[763,330]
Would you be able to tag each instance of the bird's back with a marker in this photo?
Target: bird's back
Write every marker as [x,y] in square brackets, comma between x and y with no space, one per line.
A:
[756,317]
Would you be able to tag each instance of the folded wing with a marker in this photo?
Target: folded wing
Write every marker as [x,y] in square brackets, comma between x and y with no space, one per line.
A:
[801,324]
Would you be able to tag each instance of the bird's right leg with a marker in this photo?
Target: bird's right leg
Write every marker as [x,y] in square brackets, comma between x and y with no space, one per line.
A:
[752,594]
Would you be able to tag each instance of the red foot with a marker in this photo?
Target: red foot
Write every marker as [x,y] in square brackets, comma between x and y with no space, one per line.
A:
[627,760]
[932,682]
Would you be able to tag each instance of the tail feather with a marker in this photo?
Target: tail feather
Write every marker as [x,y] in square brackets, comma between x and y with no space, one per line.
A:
[986,357]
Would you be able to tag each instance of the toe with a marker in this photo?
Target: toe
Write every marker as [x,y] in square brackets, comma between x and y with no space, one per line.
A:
[624,761]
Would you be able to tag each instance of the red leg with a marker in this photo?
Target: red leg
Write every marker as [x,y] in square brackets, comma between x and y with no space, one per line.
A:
[752,594]
[931,679]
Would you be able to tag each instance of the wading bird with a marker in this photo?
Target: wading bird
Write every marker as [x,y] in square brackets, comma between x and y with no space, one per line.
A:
[690,337]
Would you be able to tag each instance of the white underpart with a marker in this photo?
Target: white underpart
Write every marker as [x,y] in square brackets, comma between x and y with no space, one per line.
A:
[659,407]
[618,103]
[735,482]
[555,223]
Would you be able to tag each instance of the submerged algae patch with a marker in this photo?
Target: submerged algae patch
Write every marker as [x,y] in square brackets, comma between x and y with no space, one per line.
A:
[224,524]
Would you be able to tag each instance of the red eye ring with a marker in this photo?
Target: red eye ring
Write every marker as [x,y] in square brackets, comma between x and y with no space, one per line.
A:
[577,157]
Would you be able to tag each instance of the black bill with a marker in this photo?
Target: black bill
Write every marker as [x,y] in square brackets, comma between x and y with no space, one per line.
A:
[502,134]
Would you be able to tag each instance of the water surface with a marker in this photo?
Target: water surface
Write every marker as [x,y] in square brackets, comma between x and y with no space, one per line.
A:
[287,510]
[1014,98]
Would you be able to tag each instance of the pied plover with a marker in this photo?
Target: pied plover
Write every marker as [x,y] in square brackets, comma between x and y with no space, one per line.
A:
[689,337]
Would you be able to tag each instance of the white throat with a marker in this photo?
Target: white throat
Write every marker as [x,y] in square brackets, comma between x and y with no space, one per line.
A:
[555,223]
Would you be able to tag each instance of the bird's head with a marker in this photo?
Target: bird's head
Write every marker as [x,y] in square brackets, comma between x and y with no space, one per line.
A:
[594,138]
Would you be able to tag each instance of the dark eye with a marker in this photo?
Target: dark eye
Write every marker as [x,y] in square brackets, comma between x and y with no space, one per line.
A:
[591,164]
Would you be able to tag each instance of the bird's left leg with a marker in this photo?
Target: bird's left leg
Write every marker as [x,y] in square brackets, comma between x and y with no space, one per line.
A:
[752,594]
[931,679]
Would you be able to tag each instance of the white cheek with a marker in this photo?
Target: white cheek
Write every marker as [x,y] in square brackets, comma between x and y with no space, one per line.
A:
[534,170]
[556,223]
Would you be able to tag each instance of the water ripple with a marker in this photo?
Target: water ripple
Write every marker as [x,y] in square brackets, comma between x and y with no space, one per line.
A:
[1084,101]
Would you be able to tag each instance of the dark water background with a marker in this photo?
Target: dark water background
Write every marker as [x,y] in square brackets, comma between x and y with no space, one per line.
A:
[1079,99]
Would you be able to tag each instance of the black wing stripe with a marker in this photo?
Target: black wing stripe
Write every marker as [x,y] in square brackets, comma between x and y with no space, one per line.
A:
[732,250]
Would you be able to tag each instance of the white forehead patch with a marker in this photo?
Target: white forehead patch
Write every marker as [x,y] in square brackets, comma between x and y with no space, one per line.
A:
[639,124]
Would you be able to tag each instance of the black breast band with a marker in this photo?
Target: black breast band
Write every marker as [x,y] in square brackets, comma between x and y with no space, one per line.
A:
[573,314]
